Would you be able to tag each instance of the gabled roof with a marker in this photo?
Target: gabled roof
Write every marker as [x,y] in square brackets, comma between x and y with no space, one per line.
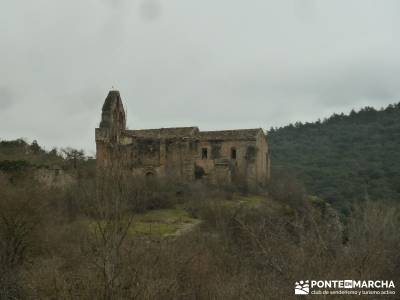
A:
[164,132]
[239,134]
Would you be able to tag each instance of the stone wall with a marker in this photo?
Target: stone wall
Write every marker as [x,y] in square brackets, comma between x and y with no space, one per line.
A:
[53,177]
[185,153]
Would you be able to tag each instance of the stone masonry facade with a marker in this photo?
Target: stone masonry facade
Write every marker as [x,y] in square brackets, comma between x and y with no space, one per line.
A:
[182,153]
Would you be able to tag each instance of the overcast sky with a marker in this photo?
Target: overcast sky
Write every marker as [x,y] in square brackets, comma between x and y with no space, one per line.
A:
[216,64]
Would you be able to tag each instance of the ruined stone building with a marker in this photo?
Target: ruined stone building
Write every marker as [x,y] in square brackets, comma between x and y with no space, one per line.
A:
[184,153]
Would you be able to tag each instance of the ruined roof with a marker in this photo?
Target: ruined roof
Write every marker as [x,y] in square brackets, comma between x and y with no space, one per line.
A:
[164,132]
[239,134]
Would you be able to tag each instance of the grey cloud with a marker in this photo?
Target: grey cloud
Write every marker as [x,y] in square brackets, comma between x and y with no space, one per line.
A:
[150,9]
[7,97]
[215,64]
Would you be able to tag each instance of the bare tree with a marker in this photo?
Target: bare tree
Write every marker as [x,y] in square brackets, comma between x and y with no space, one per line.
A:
[111,219]
[73,155]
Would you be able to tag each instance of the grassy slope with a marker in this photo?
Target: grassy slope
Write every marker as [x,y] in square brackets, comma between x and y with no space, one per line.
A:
[161,222]
[175,221]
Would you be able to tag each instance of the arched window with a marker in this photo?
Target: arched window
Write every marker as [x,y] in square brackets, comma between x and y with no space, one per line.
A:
[198,172]
[149,174]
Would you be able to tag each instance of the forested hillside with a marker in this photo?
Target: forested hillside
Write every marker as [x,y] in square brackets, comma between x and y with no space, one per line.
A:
[19,155]
[344,157]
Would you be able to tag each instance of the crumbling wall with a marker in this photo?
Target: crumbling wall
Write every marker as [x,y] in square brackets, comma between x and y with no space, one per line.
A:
[148,152]
[262,160]
[184,153]
[228,161]
[53,177]
[180,157]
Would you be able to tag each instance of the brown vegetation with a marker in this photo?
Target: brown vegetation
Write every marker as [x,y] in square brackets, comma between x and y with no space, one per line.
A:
[48,250]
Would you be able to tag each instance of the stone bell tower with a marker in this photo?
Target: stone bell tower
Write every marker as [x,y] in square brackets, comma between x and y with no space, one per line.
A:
[112,125]
[113,113]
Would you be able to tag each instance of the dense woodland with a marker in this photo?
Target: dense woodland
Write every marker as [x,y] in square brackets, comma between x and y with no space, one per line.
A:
[117,237]
[344,157]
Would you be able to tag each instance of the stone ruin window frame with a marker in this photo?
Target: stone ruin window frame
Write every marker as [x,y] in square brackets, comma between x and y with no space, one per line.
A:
[204,153]
[233,153]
